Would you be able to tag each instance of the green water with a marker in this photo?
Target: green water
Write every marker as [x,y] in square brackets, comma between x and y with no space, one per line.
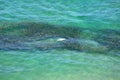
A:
[57,65]
[91,29]
[90,13]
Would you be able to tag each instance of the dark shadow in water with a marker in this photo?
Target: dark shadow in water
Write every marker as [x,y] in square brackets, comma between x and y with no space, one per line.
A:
[42,36]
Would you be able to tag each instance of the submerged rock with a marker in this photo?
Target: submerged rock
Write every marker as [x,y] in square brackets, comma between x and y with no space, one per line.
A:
[42,30]
[109,38]
[46,37]
[12,43]
[46,44]
[13,46]
[84,45]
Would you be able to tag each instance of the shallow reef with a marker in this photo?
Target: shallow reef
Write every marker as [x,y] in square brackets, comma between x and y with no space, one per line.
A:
[41,36]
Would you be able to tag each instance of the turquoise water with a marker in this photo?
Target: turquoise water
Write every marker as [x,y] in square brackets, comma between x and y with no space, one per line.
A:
[57,65]
[89,14]
[59,40]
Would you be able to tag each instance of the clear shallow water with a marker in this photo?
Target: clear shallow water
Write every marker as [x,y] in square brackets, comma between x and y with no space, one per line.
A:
[57,65]
[89,14]
[89,60]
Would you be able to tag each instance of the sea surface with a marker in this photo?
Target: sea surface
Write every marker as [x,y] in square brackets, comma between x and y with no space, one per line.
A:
[59,39]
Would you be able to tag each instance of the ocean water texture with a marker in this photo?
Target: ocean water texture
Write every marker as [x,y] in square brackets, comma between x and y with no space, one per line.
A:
[81,13]
[59,39]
